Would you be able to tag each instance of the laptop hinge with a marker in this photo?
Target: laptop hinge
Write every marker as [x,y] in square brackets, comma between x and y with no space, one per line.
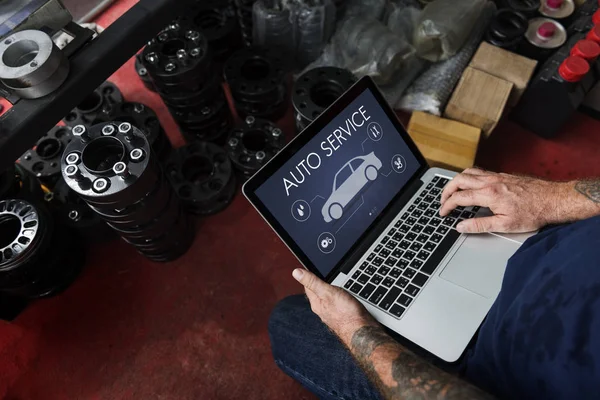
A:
[382,225]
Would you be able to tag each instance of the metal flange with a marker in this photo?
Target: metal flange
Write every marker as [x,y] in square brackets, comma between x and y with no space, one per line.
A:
[43,160]
[253,144]
[257,79]
[316,89]
[203,177]
[177,56]
[31,65]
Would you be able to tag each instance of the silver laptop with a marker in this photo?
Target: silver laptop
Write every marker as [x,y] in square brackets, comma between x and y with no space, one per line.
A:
[355,201]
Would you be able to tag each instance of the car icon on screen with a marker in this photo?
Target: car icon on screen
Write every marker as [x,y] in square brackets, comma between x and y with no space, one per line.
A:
[348,183]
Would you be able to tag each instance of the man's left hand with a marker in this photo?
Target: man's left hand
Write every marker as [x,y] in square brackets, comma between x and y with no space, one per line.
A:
[341,312]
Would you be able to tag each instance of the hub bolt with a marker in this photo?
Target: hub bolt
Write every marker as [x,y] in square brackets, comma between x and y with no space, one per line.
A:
[250,120]
[108,130]
[152,58]
[260,155]
[233,142]
[80,132]
[121,170]
[100,185]
[136,155]
[72,158]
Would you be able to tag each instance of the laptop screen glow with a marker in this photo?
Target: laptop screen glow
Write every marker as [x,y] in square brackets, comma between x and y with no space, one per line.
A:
[331,191]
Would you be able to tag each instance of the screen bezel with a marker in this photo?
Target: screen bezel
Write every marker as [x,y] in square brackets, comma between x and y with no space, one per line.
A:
[251,186]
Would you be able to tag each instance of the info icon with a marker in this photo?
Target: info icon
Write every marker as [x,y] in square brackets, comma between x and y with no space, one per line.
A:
[326,242]
[375,131]
[300,210]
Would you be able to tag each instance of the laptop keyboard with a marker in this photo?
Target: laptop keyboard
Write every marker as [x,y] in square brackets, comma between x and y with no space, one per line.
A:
[402,262]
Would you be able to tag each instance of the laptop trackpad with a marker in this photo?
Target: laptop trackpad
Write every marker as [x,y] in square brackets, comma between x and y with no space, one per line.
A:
[479,264]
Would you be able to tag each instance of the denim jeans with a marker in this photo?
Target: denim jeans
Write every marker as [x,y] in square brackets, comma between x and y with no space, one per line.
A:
[305,349]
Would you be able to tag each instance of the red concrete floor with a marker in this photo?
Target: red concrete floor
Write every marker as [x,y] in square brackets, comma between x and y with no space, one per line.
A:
[196,328]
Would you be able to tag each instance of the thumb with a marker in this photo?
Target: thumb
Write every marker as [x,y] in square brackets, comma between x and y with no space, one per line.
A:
[310,281]
[480,225]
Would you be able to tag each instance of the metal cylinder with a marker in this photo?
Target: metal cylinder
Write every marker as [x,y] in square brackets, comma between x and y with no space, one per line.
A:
[315,90]
[31,65]
[203,177]
[38,258]
[181,67]
[258,82]
[119,177]
[253,144]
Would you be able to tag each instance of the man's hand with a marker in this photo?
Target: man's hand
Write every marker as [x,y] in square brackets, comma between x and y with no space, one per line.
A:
[397,372]
[520,204]
[341,312]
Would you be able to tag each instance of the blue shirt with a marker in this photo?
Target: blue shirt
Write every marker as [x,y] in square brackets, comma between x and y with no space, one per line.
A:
[541,338]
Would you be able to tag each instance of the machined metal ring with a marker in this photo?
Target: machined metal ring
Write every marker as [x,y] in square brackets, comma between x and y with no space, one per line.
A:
[31,65]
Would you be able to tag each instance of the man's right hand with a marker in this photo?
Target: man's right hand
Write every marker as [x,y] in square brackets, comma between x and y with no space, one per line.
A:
[520,204]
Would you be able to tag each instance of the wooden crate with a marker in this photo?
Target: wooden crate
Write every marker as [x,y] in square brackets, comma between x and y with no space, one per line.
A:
[505,65]
[479,100]
[444,143]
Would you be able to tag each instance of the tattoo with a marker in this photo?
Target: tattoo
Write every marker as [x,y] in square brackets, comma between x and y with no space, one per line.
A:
[590,189]
[411,377]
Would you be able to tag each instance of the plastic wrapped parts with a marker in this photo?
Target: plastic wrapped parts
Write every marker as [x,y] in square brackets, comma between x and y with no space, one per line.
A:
[371,48]
[274,26]
[444,27]
[316,24]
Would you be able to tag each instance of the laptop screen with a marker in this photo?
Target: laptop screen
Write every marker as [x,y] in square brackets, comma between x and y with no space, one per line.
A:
[331,191]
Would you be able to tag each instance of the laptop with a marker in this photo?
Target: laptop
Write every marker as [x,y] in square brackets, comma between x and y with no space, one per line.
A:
[355,201]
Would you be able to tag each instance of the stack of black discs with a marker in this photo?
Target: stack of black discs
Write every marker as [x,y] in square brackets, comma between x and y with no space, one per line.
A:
[70,210]
[95,107]
[146,120]
[142,73]
[257,79]
[203,177]
[43,160]
[112,167]
[182,70]
[253,144]
[245,19]
[217,21]
[316,90]
[38,258]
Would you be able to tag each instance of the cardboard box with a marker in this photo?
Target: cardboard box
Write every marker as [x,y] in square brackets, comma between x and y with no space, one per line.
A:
[479,100]
[444,143]
[505,65]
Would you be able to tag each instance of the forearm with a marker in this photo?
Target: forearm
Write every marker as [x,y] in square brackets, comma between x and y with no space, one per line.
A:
[399,374]
[575,201]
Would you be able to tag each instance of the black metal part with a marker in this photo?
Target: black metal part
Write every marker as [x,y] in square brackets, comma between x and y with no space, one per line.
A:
[258,82]
[70,210]
[203,177]
[529,8]
[43,160]
[96,107]
[507,29]
[38,258]
[27,120]
[143,73]
[182,69]
[218,22]
[145,119]
[316,90]
[111,166]
[253,144]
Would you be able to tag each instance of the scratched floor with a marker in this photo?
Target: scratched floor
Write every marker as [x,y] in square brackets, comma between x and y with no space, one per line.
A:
[196,328]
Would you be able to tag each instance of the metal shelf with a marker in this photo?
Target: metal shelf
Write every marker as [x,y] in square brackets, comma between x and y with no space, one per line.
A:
[28,120]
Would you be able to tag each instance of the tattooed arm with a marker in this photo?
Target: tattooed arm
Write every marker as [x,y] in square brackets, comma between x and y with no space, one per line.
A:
[399,374]
[519,203]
